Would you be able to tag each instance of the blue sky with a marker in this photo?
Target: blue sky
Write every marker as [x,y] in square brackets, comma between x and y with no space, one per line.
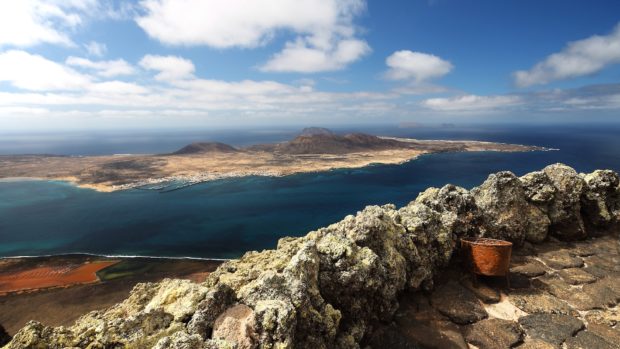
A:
[68,64]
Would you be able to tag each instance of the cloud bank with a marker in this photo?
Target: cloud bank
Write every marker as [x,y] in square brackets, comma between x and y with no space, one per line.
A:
[325,34]
[578,58]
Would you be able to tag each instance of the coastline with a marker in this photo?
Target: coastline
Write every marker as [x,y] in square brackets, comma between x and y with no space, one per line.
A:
[180,177]
[120,256]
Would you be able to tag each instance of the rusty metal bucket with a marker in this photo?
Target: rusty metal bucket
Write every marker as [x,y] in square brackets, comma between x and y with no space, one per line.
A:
[488,257]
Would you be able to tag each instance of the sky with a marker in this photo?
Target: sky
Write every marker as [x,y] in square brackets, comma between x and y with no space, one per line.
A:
[110,64]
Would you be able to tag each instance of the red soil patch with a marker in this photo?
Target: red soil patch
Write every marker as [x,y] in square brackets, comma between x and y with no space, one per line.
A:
[45,277]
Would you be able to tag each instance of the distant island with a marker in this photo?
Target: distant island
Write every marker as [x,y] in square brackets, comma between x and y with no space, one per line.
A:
[313,150]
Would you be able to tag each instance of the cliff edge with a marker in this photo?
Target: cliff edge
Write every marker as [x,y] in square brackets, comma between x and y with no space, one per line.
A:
[329,288]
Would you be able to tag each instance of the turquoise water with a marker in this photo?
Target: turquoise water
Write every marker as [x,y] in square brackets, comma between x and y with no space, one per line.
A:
[225,218]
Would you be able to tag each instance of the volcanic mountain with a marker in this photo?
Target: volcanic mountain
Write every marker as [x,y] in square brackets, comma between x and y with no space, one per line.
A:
[315,140]
[205,147]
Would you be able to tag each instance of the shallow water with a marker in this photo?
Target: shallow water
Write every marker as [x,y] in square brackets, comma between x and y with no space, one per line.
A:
[225,218]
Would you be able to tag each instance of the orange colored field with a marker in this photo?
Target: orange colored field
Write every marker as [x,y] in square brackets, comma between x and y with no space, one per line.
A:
[44,277]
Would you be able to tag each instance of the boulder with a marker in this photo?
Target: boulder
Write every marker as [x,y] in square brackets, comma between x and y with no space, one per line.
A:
[565,208]
[507,214]
[457,208]
[600,201]
[538,188]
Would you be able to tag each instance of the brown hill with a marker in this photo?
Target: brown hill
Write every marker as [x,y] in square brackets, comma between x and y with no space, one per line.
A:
[205,147]
[313,131]
[336,144]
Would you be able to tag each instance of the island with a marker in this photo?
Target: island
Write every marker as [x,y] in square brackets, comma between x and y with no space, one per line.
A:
[313,150]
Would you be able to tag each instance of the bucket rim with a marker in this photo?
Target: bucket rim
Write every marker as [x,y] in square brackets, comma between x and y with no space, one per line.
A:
[482,241]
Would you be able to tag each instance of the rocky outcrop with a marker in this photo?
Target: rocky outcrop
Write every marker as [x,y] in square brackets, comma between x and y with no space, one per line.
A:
[330,288]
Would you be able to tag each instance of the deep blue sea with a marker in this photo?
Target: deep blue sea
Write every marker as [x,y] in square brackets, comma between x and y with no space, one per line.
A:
[225,218]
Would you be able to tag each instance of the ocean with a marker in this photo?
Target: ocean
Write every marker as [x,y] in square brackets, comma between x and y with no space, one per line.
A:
[225,218]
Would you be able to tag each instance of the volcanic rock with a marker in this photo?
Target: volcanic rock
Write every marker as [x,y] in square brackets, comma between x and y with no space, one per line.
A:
[565,208]
[551,328]
[507,215]
[458,303]
[494,334]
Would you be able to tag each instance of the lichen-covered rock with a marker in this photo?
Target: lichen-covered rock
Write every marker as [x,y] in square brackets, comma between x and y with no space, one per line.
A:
[538,189]
[601,201]
[331,287]
[150,312]
[565,208]
[456,206]
[507,214]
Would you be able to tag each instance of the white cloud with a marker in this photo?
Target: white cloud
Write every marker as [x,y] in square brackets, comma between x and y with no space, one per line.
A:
[578,58]
[471,103]
[303,58]
[103,68]
[117,87]
[30,22]
[96,48]
[33,72]
[417,66]
[420,89]
[242,23]
[169,67]
[23,110]
[325,34]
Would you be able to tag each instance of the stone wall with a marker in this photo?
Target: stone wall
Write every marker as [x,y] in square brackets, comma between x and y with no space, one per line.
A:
[328,288]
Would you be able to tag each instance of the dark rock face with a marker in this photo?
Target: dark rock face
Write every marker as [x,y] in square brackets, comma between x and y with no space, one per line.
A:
[4,337]
[330,288]
[551,328]
[391,337]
